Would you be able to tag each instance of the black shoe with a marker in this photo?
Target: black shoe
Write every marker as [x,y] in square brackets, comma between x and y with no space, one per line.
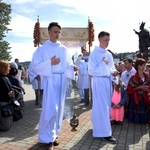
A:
[110,139]
[50,146]
[56,142]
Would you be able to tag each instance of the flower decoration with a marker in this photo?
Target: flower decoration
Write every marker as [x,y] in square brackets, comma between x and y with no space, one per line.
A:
[36,34]
[91,33]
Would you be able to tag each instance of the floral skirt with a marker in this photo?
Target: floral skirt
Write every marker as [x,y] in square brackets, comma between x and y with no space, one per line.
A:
[139,113]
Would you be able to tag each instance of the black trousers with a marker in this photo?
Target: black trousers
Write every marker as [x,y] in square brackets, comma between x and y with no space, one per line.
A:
[86,96]
[38,96]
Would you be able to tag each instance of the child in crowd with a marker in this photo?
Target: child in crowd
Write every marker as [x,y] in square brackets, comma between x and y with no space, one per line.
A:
[118,101]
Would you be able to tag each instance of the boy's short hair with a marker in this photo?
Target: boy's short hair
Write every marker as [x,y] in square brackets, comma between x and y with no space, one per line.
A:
[103,33]
[52,24]
[130,60]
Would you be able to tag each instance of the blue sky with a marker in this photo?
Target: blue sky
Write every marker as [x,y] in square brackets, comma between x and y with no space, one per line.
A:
[119,17]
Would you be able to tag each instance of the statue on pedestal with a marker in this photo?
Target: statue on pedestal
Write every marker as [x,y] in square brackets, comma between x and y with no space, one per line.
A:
[144,41]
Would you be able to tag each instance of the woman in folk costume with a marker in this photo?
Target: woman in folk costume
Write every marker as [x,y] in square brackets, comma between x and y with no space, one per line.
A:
[52,61]
[118,101]
[138,92]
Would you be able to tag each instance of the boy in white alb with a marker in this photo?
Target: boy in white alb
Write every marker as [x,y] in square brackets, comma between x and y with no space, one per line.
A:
[101,68]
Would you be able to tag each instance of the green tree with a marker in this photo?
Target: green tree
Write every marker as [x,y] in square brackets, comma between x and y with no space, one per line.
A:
[5,11]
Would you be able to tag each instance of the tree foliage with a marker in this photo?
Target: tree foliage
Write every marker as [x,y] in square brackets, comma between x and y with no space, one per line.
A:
[5,11]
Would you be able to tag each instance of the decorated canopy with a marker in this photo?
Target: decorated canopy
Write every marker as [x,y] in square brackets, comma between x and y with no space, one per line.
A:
[70,36]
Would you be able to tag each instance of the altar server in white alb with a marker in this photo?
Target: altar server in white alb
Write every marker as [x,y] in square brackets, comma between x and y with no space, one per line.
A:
[83,77]
[37,85]
[101,68]
[53,62]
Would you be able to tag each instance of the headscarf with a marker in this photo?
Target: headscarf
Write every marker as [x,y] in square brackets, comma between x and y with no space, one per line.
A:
[134,82]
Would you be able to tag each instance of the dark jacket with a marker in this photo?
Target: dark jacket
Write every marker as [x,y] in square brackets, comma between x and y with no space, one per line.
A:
[14,81]
[5,88]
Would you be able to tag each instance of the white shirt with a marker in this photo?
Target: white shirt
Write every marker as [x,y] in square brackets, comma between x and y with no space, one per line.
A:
[126,75]
[83,79]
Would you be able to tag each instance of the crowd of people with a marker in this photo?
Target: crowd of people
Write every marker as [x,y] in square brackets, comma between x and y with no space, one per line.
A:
[113,90]
[119,90]
[12,77]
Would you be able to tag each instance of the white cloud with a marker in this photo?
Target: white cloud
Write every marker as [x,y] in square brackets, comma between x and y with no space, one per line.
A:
[23,51]
[69,11]
[122,36]
[22,26]
[18,1]
[108,9]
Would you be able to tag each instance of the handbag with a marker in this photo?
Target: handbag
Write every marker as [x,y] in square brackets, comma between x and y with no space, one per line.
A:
[18,95]
[17,113]
[7,110]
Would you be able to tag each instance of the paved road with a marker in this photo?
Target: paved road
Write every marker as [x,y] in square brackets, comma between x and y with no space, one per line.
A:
[23,134]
